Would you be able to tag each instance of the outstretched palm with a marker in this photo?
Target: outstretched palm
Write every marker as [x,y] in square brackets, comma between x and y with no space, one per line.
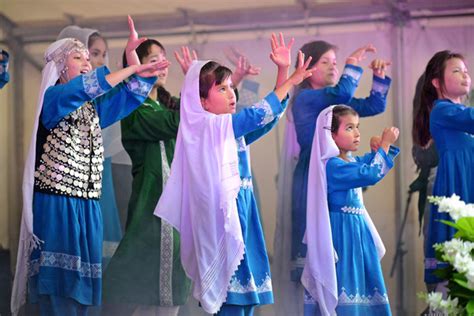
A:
[281,53]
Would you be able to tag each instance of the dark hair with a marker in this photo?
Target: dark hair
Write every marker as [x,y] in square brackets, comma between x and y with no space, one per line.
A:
[212,73]
[315,49]
[421,118]
[339,111]
[94,37]
[163,95]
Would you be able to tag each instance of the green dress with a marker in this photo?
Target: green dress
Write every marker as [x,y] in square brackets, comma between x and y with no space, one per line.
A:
[146,268]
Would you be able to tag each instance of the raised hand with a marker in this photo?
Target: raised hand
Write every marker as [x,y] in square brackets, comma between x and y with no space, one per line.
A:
[187,59]
[133,40]
[390,135]
[359,54]
[243,69]
[301,72]
[281,53]
[151,69]
[379,66]
[375,142]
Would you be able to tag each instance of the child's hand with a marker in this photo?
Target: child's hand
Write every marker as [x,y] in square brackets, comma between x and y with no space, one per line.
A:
[244,68]
[375,142]
[281,54]
[301,72]
[187,59]
[379,66]
[390,135]
[151,69]
[133,40]
[359,54]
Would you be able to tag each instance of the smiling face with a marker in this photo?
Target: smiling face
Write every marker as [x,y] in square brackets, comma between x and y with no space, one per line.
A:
[77,63]
[221,98]
[98,52]
[326,73]
[456,82]
[347,136]
[157,54]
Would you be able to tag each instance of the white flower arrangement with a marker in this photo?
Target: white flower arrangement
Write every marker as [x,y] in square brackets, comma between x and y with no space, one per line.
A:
[459,254]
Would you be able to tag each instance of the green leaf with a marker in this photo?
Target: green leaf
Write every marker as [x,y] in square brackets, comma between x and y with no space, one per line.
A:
[465,228]
[444,273]
[470,307]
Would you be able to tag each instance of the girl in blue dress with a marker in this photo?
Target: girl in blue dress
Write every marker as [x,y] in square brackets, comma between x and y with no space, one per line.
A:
[209,196]
[444,119]
[342,273]
[60,251]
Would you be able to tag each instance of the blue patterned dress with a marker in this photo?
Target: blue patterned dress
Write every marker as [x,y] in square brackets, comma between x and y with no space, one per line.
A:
[360,282]
[251,284]
[69,262]
[306,107]
[452,128]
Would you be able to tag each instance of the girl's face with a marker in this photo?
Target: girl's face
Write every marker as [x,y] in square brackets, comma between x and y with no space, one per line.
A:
[98,53]
[157,54]
[347,137]
[220,98]
[326,73]
[77,63]
[457,82]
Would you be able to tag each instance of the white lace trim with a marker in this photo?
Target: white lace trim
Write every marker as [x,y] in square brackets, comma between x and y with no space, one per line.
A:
[380,162]
[166,244]
[350,299]
[65,262]
[138,87]
[268,112]
[236,287]
[91,84]
[353,210]
[241,145]
[246,183]
[379,87]
[354,74]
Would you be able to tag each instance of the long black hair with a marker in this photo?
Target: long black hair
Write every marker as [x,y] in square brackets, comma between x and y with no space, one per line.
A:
[212,73]
[434,70]
[163,95]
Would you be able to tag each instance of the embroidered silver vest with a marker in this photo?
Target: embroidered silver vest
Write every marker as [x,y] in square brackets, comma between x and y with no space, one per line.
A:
[72,156]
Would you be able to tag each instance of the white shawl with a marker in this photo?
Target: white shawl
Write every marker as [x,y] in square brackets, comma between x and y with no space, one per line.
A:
[199,199]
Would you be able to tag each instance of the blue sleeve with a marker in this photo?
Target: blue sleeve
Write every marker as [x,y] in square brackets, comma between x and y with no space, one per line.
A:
[376,102]
[253,136]
[258,116]
[4,75]
[125,97]
[63,99]
[362,172]
[367,158]
[339,94]
[453,116]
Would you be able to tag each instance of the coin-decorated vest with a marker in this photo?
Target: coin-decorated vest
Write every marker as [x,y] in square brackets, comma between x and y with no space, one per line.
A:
[70,160]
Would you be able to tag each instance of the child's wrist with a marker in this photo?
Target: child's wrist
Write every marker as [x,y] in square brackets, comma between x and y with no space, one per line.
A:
[352,60]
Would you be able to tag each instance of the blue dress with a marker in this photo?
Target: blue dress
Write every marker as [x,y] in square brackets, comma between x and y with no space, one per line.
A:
[452,129]
[251,284]
[4,75]
[360,282]
[69,262]
[306,107]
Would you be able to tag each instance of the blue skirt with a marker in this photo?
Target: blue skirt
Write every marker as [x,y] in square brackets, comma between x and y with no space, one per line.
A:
[69,261]
[360,282]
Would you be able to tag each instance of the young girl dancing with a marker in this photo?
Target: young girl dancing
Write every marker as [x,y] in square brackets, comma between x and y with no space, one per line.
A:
[209,196]
[444,118]
[60,247]
[342,274]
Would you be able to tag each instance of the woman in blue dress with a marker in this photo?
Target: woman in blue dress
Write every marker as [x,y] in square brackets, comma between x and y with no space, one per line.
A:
[342,273]
[209,196]
[60,249]
[444,119]
[312,96]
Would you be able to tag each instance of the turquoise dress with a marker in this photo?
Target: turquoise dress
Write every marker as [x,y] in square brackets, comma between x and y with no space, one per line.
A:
[306,107]
[360,282]
[251,284]
[69,262]
[452,129]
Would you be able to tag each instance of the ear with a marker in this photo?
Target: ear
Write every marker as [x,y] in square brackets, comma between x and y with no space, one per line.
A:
[204,104]
[435,83]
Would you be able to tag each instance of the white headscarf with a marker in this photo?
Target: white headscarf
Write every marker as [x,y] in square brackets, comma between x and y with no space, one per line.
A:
[199,199]
[319,274]
[55,57]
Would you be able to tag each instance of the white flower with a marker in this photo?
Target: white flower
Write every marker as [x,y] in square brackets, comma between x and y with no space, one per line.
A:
[454,206]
